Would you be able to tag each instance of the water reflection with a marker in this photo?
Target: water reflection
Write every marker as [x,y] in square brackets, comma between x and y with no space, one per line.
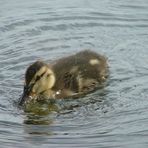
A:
[38,122]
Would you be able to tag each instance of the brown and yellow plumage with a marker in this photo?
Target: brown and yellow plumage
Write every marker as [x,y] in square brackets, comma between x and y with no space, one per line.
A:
[66,77]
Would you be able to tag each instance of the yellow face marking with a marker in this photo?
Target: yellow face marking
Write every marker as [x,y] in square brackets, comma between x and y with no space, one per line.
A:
[42,70]
[46,81]
[94,62]
[38,73]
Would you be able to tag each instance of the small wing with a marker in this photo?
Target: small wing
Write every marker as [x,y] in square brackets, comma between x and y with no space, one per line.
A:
[70,82]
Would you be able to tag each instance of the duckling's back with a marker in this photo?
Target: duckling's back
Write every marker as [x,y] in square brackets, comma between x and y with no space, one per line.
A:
[80,72]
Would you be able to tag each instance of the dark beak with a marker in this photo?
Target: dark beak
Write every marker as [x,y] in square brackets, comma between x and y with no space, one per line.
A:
[25,95]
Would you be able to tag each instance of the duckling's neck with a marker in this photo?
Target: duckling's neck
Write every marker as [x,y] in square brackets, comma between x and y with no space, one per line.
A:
[56,94]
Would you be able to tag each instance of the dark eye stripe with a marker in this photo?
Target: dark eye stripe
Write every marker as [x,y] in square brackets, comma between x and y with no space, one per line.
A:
[42,74]
[39,77]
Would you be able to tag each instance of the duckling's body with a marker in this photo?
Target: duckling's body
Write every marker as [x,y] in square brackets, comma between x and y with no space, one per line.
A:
[79,73]
[67,77]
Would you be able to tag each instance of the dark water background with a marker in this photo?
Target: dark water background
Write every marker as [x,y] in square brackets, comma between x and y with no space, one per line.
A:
[116,116]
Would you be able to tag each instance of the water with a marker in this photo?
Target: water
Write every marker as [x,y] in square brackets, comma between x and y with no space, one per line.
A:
[115,116]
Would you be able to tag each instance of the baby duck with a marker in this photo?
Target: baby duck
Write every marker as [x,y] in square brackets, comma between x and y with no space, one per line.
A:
[70,76]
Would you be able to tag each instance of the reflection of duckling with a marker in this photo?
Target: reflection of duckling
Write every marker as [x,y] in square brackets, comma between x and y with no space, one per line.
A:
[67,77]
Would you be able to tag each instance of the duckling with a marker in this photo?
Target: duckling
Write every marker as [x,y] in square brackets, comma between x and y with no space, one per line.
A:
[70,76]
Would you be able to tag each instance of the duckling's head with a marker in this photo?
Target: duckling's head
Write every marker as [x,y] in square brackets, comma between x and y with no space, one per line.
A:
[39,77]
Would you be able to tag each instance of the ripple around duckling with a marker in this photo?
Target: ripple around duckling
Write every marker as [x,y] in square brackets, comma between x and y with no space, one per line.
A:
[115,116]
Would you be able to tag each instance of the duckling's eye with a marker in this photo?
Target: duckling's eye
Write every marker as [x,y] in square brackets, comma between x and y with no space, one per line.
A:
[37,78]
[48,75]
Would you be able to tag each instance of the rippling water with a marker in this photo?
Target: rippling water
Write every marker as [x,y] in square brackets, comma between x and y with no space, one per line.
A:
[115,116]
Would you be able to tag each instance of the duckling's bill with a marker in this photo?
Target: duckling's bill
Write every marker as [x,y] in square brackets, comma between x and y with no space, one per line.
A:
[27,95]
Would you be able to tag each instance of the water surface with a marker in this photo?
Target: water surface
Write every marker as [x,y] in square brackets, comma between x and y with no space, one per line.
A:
[115,116]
